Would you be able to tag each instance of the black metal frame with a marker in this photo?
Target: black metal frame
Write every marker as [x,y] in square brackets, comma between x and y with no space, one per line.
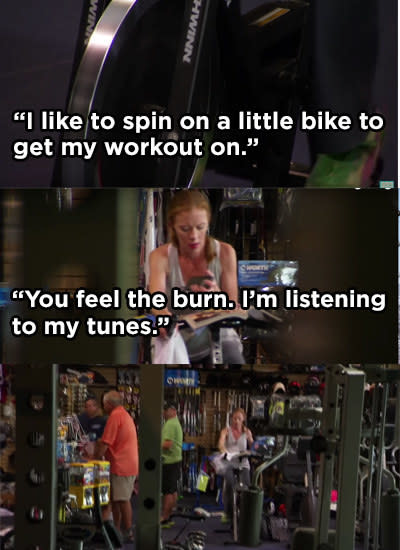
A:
[35,517]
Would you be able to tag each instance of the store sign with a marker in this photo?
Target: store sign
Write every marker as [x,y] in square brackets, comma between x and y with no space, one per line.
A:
[181,378]
[267,273]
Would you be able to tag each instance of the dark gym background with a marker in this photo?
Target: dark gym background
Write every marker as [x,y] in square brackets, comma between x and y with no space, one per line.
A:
[341,238]
[37,46]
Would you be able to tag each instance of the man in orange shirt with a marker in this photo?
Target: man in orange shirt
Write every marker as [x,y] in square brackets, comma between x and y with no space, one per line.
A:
[120,447]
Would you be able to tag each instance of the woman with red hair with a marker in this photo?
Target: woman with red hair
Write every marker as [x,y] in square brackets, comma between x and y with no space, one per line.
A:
[193,260]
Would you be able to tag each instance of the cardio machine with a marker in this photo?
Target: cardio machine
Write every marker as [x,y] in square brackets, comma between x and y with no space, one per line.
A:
[155,57]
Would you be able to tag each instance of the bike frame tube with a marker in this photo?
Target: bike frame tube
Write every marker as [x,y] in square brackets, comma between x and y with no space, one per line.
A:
[379,466]
[371,468]
[387,473]
[396,442]
[268,463]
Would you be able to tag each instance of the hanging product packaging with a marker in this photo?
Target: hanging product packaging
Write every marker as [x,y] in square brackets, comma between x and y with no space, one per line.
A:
[202,481]
[257,406]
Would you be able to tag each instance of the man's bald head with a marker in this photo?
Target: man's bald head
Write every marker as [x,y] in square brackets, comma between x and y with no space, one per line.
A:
[111,400]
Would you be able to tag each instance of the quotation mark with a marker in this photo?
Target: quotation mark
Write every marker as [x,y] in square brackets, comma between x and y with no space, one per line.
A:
[252,142]
[163,320]
[24,116]
[17,294]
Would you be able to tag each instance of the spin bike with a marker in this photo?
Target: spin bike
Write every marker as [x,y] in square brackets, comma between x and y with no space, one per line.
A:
[261,325]
[238,487]
[156,57]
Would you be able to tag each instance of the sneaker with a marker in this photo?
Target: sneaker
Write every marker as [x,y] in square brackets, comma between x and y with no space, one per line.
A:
[128,536]
[354,168]
[226,519]
[167,524]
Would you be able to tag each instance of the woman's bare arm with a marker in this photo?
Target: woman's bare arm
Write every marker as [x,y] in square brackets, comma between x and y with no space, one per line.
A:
[229,282]
[222,440]
[249,437]
[158,263]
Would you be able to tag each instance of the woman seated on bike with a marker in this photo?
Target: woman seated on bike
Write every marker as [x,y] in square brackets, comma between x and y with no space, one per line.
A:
[234,439]
[192,253]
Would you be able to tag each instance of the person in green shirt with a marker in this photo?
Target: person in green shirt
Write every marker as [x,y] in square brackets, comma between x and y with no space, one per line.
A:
[171,452]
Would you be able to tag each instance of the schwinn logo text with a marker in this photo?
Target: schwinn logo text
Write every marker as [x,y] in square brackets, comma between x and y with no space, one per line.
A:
[171,381]
[192,31]
[91,20]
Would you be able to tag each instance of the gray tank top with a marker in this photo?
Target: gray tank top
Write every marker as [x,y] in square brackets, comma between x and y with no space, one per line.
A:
[175,277]
[198,342]
[233,445]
